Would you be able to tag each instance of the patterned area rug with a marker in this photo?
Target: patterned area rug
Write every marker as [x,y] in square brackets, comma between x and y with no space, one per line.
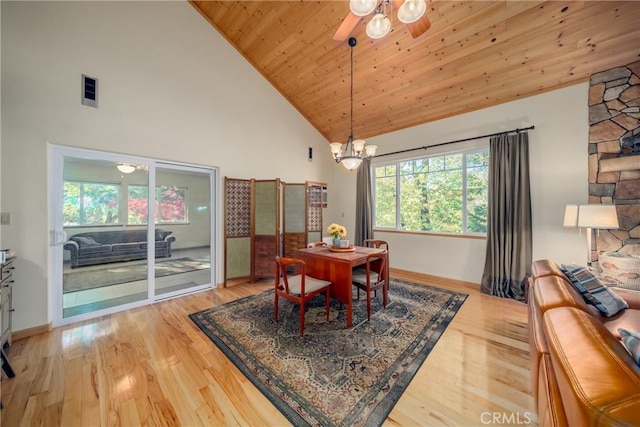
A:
[121,272]
[332,376]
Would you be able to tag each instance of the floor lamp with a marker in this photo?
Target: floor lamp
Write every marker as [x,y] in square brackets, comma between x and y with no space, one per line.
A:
[591,217]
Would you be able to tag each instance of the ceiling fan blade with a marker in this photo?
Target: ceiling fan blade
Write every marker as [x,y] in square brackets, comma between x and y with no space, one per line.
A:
[348,24]
[419,27]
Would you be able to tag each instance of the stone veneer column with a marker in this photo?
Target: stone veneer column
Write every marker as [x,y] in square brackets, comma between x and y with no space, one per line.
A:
[614,153]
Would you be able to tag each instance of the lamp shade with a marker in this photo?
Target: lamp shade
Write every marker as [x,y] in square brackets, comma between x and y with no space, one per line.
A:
[351,163]
[358,145]
[411,11]
[126,168]
[370,150]
[379,26]
[571,216]
[336,148]
[598,216]
[362,7]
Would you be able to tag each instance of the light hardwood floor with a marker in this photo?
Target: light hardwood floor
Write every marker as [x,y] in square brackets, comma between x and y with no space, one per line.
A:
[153,366]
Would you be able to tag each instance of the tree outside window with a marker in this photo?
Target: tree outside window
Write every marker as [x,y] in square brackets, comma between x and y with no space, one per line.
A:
[87,203]
[443,194]
[170,205]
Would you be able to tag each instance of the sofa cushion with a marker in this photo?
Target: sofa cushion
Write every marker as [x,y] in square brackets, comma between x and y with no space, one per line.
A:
[631,341]
[126,247]
[85,242]
[95,251]
[594,292]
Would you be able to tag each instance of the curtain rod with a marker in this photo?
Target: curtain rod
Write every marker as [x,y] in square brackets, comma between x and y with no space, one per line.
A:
[424,147]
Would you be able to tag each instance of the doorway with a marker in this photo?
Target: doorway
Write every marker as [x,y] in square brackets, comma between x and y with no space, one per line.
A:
[127,231]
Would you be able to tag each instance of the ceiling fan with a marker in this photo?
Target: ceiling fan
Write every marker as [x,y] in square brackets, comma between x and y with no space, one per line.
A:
[412,13]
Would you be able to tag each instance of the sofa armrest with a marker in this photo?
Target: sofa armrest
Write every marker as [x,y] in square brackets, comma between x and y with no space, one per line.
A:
[631,297]
[170,239]
[71,246]
[598,380]
[545,267]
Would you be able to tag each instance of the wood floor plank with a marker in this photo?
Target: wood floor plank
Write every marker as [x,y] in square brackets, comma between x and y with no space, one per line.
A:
[152,366]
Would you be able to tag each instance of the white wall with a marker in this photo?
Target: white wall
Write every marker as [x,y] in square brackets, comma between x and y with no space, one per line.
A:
[558,159]
[170,87]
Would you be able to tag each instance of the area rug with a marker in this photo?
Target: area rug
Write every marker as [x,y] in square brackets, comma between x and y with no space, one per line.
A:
[119,272]
[333,376]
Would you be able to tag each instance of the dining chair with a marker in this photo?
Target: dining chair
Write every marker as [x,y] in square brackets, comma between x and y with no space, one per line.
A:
[372,278]
[377,243]
[299,288]
[316,244]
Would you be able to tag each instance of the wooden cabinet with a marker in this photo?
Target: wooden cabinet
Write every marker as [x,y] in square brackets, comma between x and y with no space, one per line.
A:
[6,307]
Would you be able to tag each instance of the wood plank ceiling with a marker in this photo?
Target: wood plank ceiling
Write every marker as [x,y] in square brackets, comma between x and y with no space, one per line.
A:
[476,54]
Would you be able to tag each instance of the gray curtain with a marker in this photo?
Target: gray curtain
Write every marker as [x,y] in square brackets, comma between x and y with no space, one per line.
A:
[364,200]
[509,235]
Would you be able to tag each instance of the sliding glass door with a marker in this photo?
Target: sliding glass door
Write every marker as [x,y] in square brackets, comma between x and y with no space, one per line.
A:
[183,222]
[126,231]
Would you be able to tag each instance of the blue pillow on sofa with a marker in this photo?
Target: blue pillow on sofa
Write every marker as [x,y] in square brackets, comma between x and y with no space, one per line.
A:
[631,341]
[593,292]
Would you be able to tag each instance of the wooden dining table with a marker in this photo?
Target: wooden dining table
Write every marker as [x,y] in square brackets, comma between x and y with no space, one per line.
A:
[323,263]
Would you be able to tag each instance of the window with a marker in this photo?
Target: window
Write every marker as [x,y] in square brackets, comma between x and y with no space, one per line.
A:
[170,205]
[90,203]
[442,194]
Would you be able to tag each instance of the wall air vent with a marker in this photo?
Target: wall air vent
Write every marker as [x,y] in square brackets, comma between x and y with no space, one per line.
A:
[89,91]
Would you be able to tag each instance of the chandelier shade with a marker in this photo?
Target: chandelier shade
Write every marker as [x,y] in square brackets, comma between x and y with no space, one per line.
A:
[353,152]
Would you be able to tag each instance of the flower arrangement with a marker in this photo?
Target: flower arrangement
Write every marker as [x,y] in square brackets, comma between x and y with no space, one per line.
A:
[337,231]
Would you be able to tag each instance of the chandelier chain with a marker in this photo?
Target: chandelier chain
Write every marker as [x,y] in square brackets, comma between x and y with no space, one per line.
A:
[351,93]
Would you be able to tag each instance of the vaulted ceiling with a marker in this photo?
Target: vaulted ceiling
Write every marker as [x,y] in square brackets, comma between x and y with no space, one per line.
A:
[476,54]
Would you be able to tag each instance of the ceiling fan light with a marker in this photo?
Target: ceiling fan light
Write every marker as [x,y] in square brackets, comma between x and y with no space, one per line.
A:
[125,168]
[351,163]
[411,11]
[362,7]
[379,26]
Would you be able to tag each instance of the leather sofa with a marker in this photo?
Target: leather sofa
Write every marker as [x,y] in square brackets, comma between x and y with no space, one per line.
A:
[103,247]
[581,373]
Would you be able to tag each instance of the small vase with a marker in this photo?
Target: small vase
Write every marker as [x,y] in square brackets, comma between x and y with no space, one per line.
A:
[336,243]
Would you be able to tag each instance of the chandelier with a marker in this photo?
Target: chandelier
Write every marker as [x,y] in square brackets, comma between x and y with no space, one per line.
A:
[380,25]
[351,154]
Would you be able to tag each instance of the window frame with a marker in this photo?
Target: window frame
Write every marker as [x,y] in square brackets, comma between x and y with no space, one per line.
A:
[397,163]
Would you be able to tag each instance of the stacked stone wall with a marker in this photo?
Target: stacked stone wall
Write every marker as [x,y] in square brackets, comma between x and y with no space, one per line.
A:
[614,154]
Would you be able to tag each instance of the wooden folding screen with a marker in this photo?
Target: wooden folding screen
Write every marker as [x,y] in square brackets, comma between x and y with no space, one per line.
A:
[315,203]
[295,217]
[266,229]
[303,205]
[251,228]
[238,212]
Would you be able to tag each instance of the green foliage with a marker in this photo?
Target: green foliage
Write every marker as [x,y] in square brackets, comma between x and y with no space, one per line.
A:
[431,193]
[86,203]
